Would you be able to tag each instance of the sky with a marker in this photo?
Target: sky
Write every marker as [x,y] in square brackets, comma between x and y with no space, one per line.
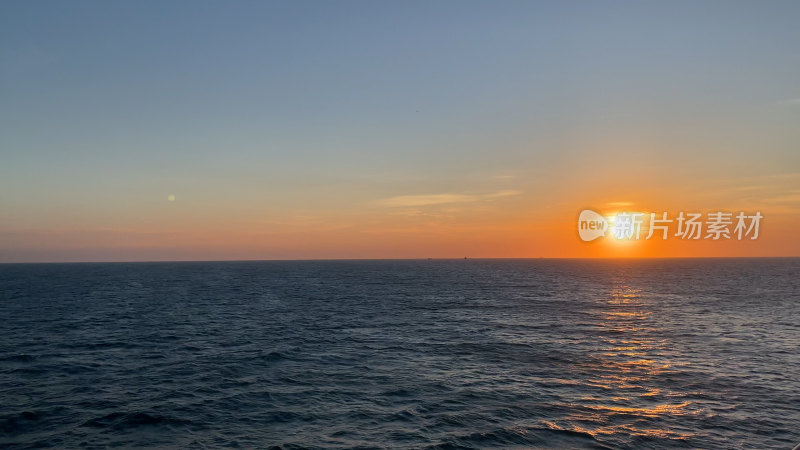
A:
[206,130]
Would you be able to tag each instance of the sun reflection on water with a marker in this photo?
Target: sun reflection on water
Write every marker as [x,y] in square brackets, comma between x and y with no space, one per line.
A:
[623,374]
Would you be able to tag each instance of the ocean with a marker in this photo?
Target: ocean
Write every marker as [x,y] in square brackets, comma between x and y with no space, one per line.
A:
[542,353]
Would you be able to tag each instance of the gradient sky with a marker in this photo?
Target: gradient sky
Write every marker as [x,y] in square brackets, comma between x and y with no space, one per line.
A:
[318,129]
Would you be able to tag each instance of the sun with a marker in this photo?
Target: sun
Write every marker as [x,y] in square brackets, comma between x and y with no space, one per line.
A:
[627,227]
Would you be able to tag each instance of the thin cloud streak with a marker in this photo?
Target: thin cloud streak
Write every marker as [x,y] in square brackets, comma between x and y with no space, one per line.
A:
[408,201]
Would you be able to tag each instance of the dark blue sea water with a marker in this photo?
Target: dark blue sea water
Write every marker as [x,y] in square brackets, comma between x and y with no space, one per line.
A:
[402,354]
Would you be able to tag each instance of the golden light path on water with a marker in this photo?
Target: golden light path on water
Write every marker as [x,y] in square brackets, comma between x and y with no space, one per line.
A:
[623,374]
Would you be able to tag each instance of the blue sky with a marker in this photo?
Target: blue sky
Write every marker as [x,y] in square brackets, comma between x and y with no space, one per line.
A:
[313,105]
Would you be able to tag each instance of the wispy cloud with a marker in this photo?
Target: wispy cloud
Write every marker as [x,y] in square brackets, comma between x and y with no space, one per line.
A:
[792,198]
[790,101]
[504,193]
[619,204]
[406,201]
[410,201]
[505,177]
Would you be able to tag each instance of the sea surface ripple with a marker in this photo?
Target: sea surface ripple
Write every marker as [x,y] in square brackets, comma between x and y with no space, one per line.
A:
[402,354]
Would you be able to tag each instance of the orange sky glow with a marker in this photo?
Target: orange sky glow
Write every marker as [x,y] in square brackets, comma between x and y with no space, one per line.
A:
[327,130]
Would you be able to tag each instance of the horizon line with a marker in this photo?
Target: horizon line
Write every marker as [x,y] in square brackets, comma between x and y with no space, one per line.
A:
[396,259]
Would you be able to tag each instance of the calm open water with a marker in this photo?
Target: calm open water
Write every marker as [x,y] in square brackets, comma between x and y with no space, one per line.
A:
[402,354]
